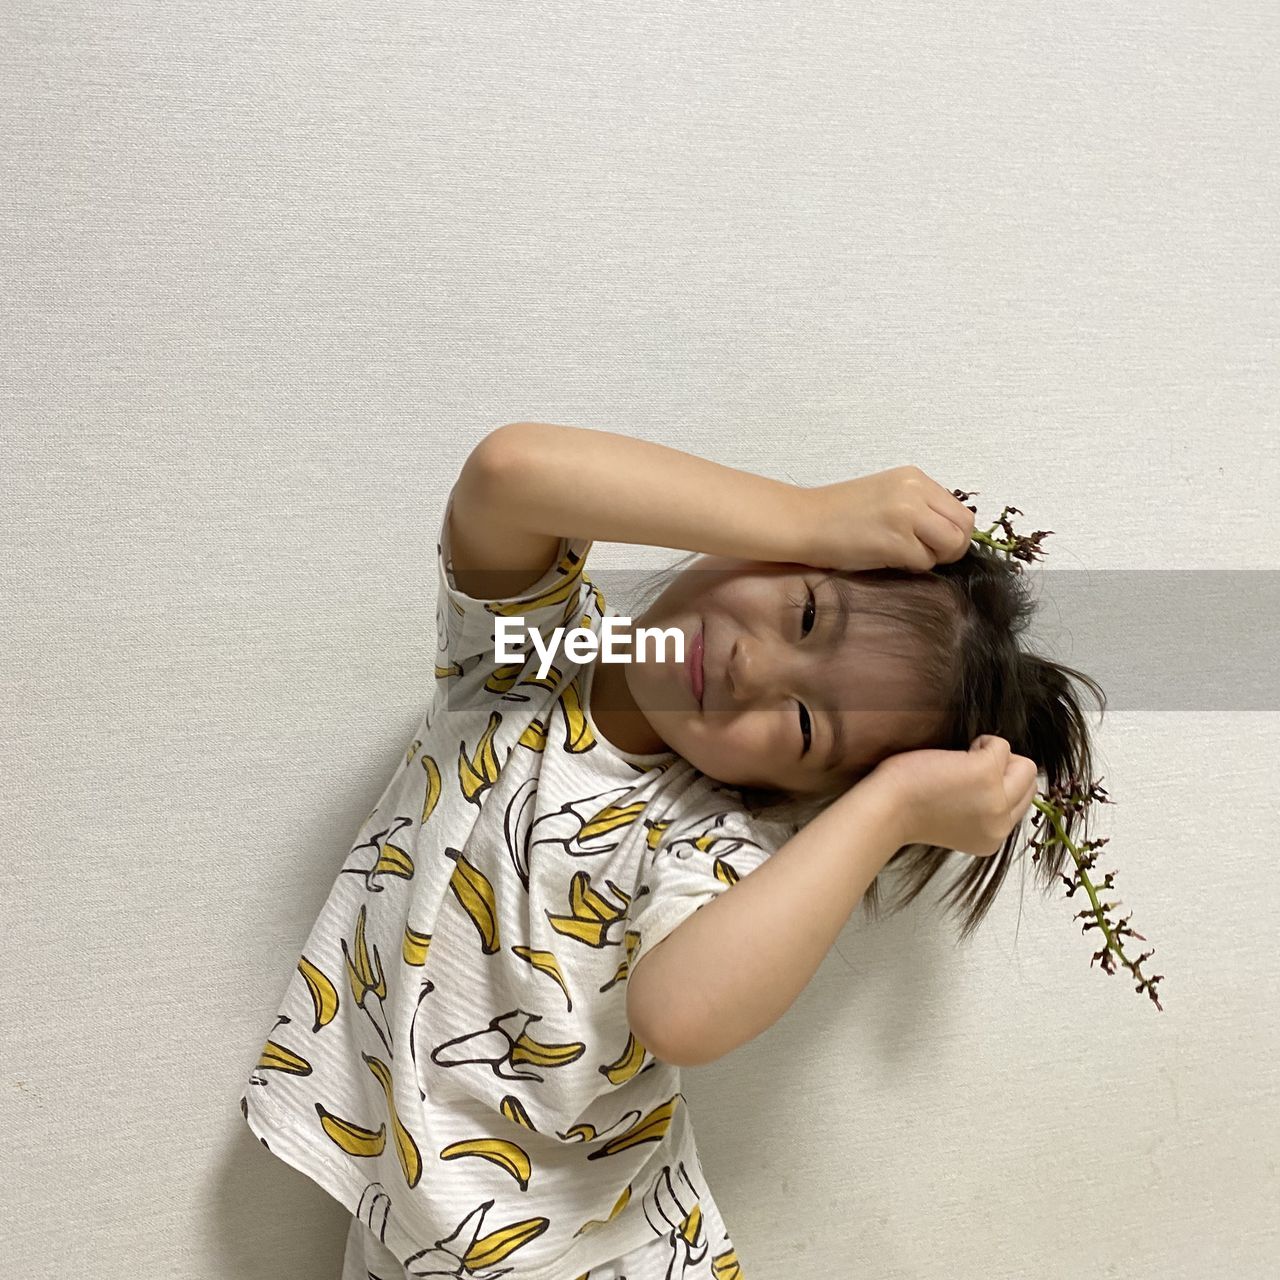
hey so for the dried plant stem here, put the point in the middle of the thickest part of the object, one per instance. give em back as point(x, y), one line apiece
point(1072, 797)
point(1082, 856)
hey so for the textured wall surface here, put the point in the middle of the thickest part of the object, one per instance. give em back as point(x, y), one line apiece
point(267, 272)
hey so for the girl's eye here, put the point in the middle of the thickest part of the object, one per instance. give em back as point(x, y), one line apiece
point(810, 613)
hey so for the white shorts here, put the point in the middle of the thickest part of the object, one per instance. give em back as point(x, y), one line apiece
point(669, 1257)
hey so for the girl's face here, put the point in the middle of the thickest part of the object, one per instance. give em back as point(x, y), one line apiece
point(794, 694)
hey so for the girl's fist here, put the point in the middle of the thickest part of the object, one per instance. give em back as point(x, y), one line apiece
point(964, 800)
point(895, 519)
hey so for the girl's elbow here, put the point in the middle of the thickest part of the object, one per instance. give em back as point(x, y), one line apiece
point(663, 1034)
point(493, 453)
point(654, 1020)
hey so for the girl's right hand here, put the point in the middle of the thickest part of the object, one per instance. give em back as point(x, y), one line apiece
point(964, 800)
point(895, 519)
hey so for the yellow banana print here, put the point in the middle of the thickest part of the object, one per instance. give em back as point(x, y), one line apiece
point(406, 1148)
point(433, 787)
point(592, 913)
point(324, 995)
point(275, 1057)
point(489, 1250)
point(570, 567)
point(478, 772)
point(393, 860)
point(367, 980)
point(534, 737)
point(354, 1140)
point(618, 1207)
point(516, 822)
point(473, 890)
point(528, 1050)
point(620, 975)
point(360, 973)
point(627, 1065)
point(656, 830)
point(611, 818)
point(506, 1155)
point(545, 962)
point(585, 901)
point(444, 673)
point(578, 733)
point(513, 1109)
point(550, 681)
point(725, 1266)
point(592, 932)
point(691, 1225)
point(650, 1128)
point(724, 872)
point(501, 679)
point(415, 946)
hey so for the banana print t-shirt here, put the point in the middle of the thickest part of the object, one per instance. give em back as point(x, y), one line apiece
point(452, 1059)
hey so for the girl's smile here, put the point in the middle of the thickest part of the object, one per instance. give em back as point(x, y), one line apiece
point(695, 667)
point(794, 704)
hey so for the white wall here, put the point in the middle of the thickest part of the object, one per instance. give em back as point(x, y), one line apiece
point(268, 272)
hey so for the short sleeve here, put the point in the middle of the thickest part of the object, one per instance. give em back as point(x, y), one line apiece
point(696, 858)
point(465, 625)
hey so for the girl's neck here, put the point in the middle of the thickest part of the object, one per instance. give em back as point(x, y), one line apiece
point(616, 713)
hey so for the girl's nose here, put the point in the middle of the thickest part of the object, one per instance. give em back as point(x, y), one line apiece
point(749, 672)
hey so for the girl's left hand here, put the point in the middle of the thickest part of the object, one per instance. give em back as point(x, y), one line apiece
point(895, 519)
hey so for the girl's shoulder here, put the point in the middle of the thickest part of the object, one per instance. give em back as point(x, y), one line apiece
point(708, 805)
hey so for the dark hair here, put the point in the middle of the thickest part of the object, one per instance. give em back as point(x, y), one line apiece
point(963, 622)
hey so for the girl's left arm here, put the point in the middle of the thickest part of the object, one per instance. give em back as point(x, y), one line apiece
point(737, 964)
point(626, 490)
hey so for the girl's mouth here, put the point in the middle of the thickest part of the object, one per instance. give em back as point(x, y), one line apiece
point(695, 667)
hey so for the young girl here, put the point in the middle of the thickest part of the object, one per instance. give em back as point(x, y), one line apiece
point(479, 1053)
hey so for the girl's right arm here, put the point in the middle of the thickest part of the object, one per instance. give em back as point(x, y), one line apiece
point(626, 490)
